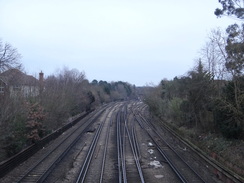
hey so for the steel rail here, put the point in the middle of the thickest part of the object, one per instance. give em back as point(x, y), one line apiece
point(122, 122)
point(136, 144)
point(172, 148)
point(134, 151)
point(119, 145)
point(82, 175)
point(11, 163)
point(170, 162)
point(105, 150)
point(122, 137)
point(176, 171)
point(121, 148)
point(44, 174)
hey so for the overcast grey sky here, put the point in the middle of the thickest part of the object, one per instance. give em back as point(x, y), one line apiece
point(137, 41)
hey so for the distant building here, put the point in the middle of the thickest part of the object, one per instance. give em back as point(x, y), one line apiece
point(13, 82)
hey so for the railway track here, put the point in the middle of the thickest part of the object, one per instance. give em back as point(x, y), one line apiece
point(97, 159)
point(117, 144)
point(121, 149)
point(127, 148)
point(200, 168)
point(135, 148)
point(181, 168)
point(44, 166)
point(128, 151)
point(84, 169)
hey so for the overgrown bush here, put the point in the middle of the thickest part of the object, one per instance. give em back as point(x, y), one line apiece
point(229, 110)
point(175, 110)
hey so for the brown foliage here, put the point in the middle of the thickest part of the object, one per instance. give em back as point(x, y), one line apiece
point(34, 125)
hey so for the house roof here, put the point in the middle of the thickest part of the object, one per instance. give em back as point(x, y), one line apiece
point(16, 77)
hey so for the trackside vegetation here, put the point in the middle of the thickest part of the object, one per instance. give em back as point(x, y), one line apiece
point(24, 120)
point(206, 105)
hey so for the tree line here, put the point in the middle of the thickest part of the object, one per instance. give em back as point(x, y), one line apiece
point(210, 97)
point(25, 120)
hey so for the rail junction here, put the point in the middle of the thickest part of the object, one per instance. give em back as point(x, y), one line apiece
point(116, 143)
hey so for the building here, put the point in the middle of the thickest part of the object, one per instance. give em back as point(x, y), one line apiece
point(13, 82)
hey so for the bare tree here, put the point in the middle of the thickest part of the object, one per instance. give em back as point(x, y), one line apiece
point(65, 94)
point(214, 55)
point(9, 57)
